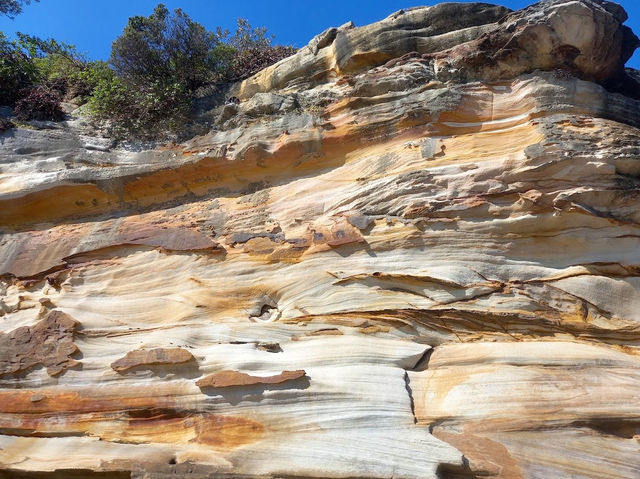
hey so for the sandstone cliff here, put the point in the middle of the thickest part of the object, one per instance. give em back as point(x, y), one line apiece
point(411, 250)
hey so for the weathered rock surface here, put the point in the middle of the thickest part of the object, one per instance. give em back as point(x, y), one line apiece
point(226, 379)
point(412, 250)
point(152, 357)
point(48, 343)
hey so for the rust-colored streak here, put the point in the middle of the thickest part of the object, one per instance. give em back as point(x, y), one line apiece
point(49, 342)
point(485, 456)
point(136, 419)
point(35, 255)
point(64, 200)
point(228, 432)
point(225, 379)
point(152, 357)
point(150, 425)
point(359, 61)
point(281, 161)
point(140, 426)
point(19, 402)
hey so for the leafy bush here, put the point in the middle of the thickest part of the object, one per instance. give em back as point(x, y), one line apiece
point(158, 62)
point(253, 51)
point(83, 82)
point(58, 64)
point(17, 71)
point(30, 61)
point(40, 103)
point(11, 8)
point(249, 62)
point(149, 84)
point(144, 113)
point(165, 48)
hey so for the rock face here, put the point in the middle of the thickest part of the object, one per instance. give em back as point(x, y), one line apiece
point(411, 250)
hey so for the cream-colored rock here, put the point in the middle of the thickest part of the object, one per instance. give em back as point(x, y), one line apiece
point(372, 267)
point(549, 407)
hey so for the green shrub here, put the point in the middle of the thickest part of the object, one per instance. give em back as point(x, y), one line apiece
point(17, 71)
point(39, 103)
point(149, 84)
point(157, 62)
point(249, 62)
point(145, 113)
point(166, 48)
point(30, 61)
point(11, 8)
point(58, 64)
point(83, 82)
point(253, 51)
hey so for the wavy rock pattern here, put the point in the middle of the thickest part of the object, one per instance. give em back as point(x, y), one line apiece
point(410, 251)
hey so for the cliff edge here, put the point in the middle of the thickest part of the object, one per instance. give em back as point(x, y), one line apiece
point(410, 250)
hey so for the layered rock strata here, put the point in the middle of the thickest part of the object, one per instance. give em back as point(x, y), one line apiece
point(410, 251)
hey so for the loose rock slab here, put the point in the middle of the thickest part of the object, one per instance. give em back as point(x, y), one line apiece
point(225, 379)
point(152, 357)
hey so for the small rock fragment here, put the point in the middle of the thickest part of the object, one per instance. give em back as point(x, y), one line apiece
point(225, 379)
point(152, 357)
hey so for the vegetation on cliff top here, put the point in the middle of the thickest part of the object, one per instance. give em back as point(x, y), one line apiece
point(157, 67)
point(11, 8)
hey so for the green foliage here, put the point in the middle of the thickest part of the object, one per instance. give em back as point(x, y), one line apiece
point(145, 112)
point(158, 62)
point(39, 103)
point(147, 88)
point(85, 80)
point(247, 37)
point(30, 61)
point(37, 47)
point(165, 48)
point(17, 71)
point(58, 65)
point(11, 8)
point(253, 51)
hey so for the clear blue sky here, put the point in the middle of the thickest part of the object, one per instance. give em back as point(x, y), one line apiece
point(92, 25)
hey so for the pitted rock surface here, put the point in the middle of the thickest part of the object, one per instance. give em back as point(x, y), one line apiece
point(48, 343)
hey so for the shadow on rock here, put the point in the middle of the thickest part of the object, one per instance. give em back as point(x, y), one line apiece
point(254, 393)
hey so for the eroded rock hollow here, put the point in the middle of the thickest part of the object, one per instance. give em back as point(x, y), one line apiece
point(410, 250)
